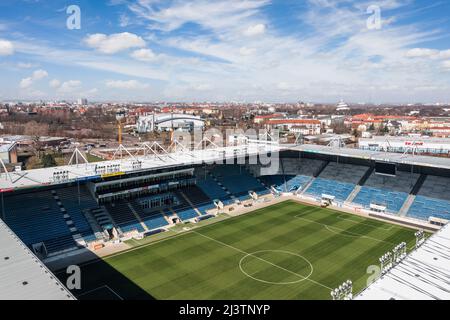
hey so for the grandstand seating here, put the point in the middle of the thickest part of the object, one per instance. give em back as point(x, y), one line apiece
point(340, 190)
point(391, 192)
point(277, 181)
point(338, 180)
point(392, 200)
point(75, 206)
point(155, 221)
point(124, 217)
point(301, 166)
point(286, 183)
point(131, 226)
point(343, 172)
point(35, 217)
point(238, 180)
point(436, 187)
point(211, 188)
point(423, 208)
point(402, 182)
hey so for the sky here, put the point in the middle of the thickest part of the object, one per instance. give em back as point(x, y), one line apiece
point(386, 51)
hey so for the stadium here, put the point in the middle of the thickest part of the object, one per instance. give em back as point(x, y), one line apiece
point(259, 220)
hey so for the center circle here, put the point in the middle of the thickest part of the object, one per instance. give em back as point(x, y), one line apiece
point(255, 255)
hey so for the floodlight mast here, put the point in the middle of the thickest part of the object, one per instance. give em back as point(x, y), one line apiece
point(343, 292)
point(420, 238)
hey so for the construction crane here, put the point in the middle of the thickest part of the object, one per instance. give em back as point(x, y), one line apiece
point(120, 115)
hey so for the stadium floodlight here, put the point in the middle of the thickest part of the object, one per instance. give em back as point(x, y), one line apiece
point(343, 292)
point(420, 238)
point(386, 262)
point(60, 176)
point(390, 259)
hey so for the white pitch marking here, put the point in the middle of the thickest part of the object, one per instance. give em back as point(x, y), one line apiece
point(303, 278)
point(351, 234)
point(259, 258)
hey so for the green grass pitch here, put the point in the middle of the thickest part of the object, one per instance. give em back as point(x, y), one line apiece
point(285, 251)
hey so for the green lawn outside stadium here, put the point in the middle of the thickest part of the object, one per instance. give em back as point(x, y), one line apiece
point(285, 251)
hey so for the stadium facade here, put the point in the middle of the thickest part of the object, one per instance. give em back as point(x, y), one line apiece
point(63, 211)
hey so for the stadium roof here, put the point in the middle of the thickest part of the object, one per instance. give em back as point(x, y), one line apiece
point(409, 159)
point(86, 172)
point(423, 275)
point(22, 275)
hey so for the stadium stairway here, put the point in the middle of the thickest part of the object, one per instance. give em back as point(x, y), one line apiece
point(302, 192)
point(190, 203)
point(407, 205)
point(75, 201)
point(36, 218)
point(354, 193)
point(137, 216)
point(76, 235)
point(238, 181)
point(123, 218)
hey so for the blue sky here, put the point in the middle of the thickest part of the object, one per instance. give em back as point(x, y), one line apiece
point(226, 50)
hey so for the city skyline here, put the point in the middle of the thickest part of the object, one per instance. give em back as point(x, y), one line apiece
point(251, 50)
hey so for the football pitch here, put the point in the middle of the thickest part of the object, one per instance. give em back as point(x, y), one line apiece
point(285, 251)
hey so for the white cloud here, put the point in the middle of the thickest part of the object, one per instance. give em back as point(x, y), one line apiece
point(129, 85)
point(6, 48)
point(215, 15)
point(55, 83)
point(70, 86)
point(26, 83)
point(255, 30)
point(25, 65)
point(114, 43)
point(428, 53)
point(37, 75)
point(247, 51)
point(421, 53)
point(146, 55)
point(446, 64)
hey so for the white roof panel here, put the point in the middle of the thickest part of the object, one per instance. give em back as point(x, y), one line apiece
point(423, 275)
point(22, 275)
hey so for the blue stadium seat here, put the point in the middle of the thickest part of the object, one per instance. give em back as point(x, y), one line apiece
point(423, 208)
point(340, 190)
point(35, 217)
point(393, 200)
point(156, 221)
point(237, 180)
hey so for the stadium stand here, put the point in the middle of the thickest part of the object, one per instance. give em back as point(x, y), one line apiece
point(295, 175)
point(75, 206)
point(432, 199)
point(237, 180)
point(156, 221)
point(210, 187)
point(423, 208)
point(340, 190)
point(390, 192)
point(123, 217)
point(301, 166)
point(36, 218)
point(338, 180)
point(436, 187)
